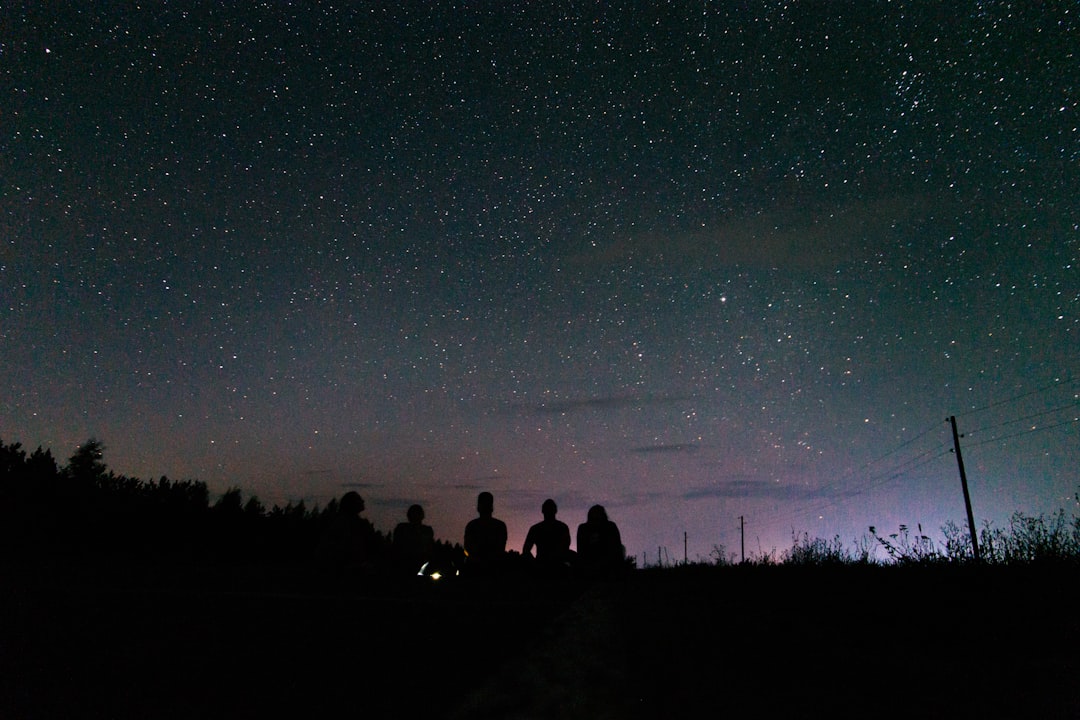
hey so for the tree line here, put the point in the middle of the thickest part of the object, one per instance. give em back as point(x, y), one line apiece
point(82, 511)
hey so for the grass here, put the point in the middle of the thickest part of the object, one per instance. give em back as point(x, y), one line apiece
point(1027, 540)
point(895, 623)
point(821, 630)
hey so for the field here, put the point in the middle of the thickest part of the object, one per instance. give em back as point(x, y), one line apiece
point(659, 643)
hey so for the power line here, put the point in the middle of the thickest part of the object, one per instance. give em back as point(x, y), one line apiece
point(900, 446)
point(1026, 432)
point(1021, 396)
point(826, 504)
point(851, 474)
point(843, 489)
point(1022, 419)
point(902, 467)
point(905, 470)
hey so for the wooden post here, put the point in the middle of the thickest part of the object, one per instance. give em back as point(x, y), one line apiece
point(742, 537)
point(963, 484)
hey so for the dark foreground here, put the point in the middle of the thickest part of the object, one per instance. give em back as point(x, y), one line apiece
point(747, 642)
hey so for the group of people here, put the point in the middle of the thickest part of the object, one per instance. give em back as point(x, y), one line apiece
point(599, 544)
point(349, 541)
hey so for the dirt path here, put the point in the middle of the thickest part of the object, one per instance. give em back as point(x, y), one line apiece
point(764, 642)
point(782, 642)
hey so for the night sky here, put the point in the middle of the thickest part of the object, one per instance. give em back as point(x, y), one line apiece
point(692, 262)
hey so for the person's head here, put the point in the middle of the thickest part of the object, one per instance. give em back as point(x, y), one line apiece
point(549, 508)
point(597, 513)
point(351, 503)
point(485, 503)
point(415, 514)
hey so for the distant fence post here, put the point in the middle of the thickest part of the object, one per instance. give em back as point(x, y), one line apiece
point(742, 537)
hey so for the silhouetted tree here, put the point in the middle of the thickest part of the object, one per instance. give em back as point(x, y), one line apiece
point(12, 461)
point(87, 463)
point(254, 508)
point(85, 515)
point(230, 503)
point(41, 466)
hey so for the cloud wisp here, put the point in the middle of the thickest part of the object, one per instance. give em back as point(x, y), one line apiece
point(608, 402)
point(665, 448)
point(763, 489)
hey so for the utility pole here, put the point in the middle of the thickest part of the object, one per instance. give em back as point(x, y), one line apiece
point(685, 560)
point(963, 484)
point(742, 537)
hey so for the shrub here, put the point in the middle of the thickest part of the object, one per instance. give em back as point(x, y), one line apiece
point(1029, 540)
point(816, 551)
point(905, 549)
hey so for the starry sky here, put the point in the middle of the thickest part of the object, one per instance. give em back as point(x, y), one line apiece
point(693, 261)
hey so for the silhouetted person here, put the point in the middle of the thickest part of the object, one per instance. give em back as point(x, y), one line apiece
point(414, 542)
point(485, 538)
point(551, 538)
point(599, 546)
point(348, 543)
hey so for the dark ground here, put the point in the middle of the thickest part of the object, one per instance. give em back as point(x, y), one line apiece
point(682, 642)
